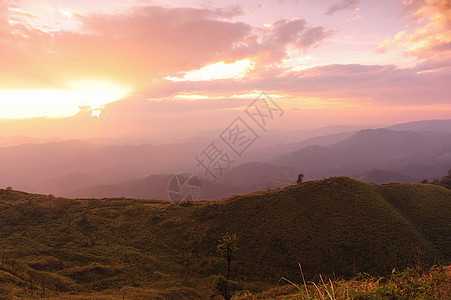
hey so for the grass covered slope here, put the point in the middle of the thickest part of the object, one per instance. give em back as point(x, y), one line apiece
point(334, 226)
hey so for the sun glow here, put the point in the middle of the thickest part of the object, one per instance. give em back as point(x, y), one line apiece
point(219, 70)
point(32, 103)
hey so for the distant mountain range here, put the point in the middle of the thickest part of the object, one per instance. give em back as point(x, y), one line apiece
point(372, 155)
point(408, 152)
point(412, 154)
point(243, 179)
point(64, 166)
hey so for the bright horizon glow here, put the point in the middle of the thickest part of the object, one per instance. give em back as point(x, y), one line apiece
point(57, 103)
point(219, 70)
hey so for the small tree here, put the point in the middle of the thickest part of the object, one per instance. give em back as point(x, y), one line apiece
point(300, 178)
point(227, 244)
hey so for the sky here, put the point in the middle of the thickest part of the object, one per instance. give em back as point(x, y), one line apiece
point(146, 67)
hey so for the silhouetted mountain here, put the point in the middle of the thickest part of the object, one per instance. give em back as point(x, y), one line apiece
point(63, 167)
point(370, 149)
point(264, 154)
point(426, 125)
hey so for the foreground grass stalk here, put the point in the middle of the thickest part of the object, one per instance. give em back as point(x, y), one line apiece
point(412, 283)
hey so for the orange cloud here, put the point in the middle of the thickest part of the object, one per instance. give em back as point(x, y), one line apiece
point(141, 46)
point(431, 39)
point(135, 47)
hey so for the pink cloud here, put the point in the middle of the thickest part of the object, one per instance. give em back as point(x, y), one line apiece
point(3, 18)
point(342, 5)
point(373, 85)
point(295, 32)
point(134, 47)
point(284, 34)
point(145, 44)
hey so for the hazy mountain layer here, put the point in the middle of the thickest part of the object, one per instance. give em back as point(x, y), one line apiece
point(413, 154)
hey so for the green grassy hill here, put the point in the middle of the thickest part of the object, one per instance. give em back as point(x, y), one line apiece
point(334, 227)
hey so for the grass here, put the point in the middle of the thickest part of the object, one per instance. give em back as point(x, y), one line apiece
point(412, 283)
point(102, 248)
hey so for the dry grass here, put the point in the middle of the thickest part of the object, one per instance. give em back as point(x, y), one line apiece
point(412, 283)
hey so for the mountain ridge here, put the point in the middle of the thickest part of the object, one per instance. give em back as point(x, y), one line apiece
point(333, 226)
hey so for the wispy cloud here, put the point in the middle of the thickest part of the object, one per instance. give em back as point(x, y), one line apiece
point(342, 5)
point(288, 33)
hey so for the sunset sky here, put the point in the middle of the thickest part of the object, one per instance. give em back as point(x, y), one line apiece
point(136, 67)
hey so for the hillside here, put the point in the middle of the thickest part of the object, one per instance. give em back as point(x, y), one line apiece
point(334, 227)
